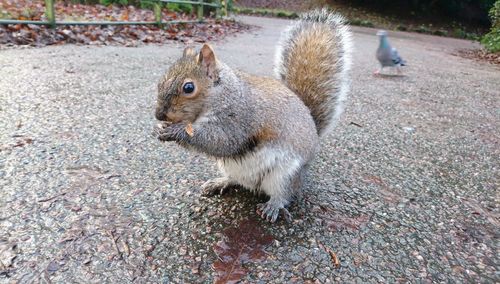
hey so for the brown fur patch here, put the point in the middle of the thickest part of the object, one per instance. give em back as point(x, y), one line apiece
point(268, 85)
point(208, 61)
point(311, 63)
point(173, 117)
point(265, 134)
point(183, 107)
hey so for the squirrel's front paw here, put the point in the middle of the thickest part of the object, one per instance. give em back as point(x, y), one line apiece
point(169, 132)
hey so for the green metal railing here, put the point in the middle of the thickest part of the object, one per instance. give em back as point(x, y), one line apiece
point(51, 17)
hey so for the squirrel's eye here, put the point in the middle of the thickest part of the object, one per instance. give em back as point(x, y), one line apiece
point(188, 87)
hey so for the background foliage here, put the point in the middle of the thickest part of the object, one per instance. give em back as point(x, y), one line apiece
point(492, 40)
point(176, 7)
point(475, 12)
point(468, 10)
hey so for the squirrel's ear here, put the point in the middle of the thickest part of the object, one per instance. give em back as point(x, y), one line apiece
point(188, 51)
point(207, 61)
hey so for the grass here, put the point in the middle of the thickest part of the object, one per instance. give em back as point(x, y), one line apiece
point(361, 23)
point(266, 12)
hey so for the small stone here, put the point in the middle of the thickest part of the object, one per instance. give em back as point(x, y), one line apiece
point(182, 251)
point(53, 267)
point(409, 129)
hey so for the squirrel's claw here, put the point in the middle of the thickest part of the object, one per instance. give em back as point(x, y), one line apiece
point(270, 211)
point(170, 132)
point(216, 186)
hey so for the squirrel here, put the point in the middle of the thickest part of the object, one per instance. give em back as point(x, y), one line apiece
point(262, 132)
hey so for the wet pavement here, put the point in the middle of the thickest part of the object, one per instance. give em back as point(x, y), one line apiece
point(404, 190)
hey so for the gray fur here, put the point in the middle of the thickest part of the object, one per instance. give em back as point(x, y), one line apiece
point(260, 132)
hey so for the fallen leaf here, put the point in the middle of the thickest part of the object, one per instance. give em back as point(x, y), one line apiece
point(335, 259)
point(39, 35)
point(333, 255)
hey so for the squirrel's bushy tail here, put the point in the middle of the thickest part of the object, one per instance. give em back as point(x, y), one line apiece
point(313, 60)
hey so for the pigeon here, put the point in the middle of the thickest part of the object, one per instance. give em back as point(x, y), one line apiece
point(387, 55)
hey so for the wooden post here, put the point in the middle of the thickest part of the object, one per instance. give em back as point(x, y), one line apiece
point(157, 10)
point(227, 3)
point(49, 13)
point(199, 10)
point(218, 9)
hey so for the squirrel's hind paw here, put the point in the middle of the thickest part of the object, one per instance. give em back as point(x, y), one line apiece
point(270, 211)
point(216, 186)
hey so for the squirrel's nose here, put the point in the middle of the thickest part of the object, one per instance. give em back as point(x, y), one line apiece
point(161, 114)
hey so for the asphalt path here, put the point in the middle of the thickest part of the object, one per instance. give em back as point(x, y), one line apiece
point(405, 189)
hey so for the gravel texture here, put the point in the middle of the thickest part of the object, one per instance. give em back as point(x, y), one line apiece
point(405, 189)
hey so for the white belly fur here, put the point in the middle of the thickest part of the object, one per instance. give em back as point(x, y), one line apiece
point(268, 169)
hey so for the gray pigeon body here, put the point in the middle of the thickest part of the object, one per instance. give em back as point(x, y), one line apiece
point(386, 54)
